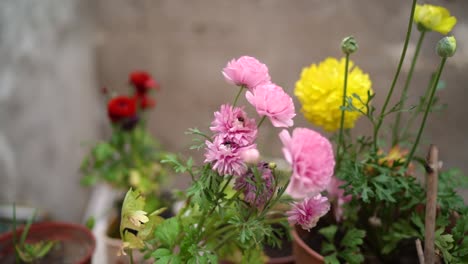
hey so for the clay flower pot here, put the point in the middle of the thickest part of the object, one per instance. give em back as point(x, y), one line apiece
point(303, 254)
point(76, 243)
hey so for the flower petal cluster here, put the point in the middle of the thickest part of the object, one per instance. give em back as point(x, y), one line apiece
point(120, 108)
point(226, 156)
point(249, 183)
point(320, 91)
point(435, 18)
point(312, 160)
point(271, 101)
point(337, 197)
point(234, 125)
point(143, 82)
point(246, 71)
point(307, 212)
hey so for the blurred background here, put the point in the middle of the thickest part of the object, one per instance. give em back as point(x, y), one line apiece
point(55, 55)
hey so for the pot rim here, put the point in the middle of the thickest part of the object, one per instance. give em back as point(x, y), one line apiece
point(304, 246)
point(8, 236)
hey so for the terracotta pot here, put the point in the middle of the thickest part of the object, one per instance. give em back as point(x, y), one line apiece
point(303, 254)
point(76, 241)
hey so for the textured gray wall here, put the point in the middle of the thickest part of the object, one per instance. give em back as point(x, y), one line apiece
point(186, 43)
point(48, 104)
point(48, 66)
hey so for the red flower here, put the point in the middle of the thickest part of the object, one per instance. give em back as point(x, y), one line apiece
point(121, 107)
point(145, 102)
point(142, 81)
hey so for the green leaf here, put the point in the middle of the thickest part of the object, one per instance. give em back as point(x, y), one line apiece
point(331, 259)
point(329, 232)
point(161, 252)
point(167, 232)
point(353, 238)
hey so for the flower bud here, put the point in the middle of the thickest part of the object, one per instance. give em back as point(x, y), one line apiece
point(250, 156)
point(446, 47)
point(135, 178)
point(272, 165)
point(349, 45)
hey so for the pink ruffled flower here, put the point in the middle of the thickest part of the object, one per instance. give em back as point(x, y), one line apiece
point(270, 100)
point(234, 125)
point(308, 212)
point(312, 160)
point(248, 183)
point(225, 156)
point(246, 71)
point(337, 197)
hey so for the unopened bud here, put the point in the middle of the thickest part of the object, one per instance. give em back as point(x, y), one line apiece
point(447, 46)
point(349, 45)
point(272, 165)
point(251, 156)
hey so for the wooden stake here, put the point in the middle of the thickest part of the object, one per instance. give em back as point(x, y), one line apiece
point(432, 170)
point(420, 251)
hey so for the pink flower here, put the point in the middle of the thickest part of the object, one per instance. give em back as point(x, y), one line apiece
point(312, 160)
point(246, 71)
point(337, 197)
point(249, 183)
point(234, 125)
point(270, 100)
point(250, 156)
point(225, 156)
point(308, 212)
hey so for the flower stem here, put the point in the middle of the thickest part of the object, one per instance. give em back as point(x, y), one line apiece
point(396, 127)
point(276, 220)
point(340, 135)
point(237, 96)
point(130, 255)
point(426, 113)
point(390, 92)
point(261, 122)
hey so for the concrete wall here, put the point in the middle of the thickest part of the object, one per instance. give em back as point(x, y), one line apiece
point(185, 44)
point(48, 104)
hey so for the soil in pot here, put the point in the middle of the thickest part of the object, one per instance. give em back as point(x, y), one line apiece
point(282, 254)
point(75, 244)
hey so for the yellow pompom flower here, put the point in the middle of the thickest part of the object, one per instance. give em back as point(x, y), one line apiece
point(320, 91)
point(435, 18)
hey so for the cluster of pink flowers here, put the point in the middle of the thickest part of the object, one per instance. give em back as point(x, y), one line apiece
point(233, 145)
point(235, 134)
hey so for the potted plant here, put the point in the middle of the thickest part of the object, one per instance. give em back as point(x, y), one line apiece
point(381, 212)
point(237, 200)
point(131, 156)
point(46, 242)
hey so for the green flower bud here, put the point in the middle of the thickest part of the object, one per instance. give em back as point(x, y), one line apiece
point(447, 46)
point(349, 45)
point(272, 165)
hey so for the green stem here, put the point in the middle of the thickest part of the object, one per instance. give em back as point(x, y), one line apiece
point(204, 217)
point(237, 96)
point(276, 220)
point(426, 113)
point(340, 135)
point(389, 95)
point(396, 127)
point(223, 242)
point(130, 255)
point(14, 233)
point(261, 122)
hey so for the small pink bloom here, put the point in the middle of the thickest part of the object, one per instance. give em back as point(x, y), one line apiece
point(225, 156)
point(234, 125)
point(308, 212)
point(250, 156)
point(337, 197)
point(311, 157)
point(270, 100)
point(246, 71)
point(249, 183)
